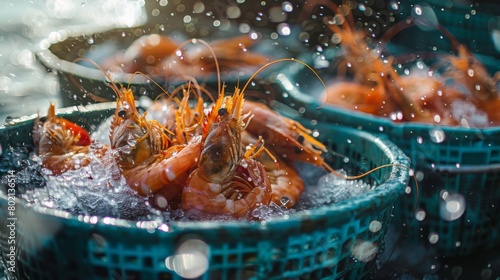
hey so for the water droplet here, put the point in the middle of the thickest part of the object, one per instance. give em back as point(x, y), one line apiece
point(90, 40)
point(287, 6)
point(452, 206)
point(364, 251)
point(394, 5)
point(375, 226)
point(233, 12)
point(284, 29)
point(437, 135)
point(433, 238)
point(418, 10)
point(190, 260)
point(420, 215)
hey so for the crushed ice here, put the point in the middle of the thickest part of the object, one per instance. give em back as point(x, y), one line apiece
point(98, 189)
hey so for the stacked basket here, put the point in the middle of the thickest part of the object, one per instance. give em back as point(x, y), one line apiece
point(457, 168)
point(336, 241)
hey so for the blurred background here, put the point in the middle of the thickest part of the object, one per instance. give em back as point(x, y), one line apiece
point(26, 87)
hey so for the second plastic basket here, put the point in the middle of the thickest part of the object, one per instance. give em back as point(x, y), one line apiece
point(458, 169)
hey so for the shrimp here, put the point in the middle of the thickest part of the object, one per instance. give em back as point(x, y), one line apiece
point(160, 55)
point(227, 180)
point(471, 81)
point(286, 184)
point(373, 88)
point(62, 145)
point(473, 75)
point(145, 154)
point(282, 134)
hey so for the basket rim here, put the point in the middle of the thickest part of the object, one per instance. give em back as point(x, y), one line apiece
point(54, 62)
point(382, 195)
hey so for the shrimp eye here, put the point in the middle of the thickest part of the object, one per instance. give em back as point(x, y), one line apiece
point(122, 114)
point(222, 112)
point(300, 139)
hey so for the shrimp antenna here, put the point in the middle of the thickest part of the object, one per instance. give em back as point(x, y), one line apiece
point(283, 60)
point(115, 88)
point(194, 41)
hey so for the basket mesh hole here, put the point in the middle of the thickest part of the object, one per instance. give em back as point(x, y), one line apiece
point(147, 262)
point(101, 271)
point(131, 260)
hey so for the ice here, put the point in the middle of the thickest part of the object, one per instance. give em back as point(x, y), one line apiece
point(331, 188)
point(468, 115)
point(101, 134)
point(96, 189)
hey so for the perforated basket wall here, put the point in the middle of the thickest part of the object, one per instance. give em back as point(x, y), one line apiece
point(446, 160)
point(315, 244)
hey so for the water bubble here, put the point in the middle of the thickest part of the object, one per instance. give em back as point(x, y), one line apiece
point(394, 5)
point(375, 226)
point(284, 29)
point(233, 12)
point(276, 14)
point(418, 10)
point(190, 260)
point(198, 7)
point(287, 6)
point(420, 215)
point(437, 135)
point(433, 238)
point(452, 206)
point(364, 251)
point(486, 273)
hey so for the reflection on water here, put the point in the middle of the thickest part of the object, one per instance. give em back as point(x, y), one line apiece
point(25, 86)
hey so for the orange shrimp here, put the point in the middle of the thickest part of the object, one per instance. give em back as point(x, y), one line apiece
point(286, 184)
point(148, 160)
point(227, 181)
point(468, 74)
point(373, 88)
point(289, 137)
point(160, 55)
point(473, 75)
point(63, 145)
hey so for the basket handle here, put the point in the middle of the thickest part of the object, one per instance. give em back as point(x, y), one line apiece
point(479, 168)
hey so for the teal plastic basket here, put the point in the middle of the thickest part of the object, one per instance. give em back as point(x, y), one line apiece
point(457, 161)
point(81, 83)
point(318, 243)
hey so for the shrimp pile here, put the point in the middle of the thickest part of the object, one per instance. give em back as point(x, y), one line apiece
point(376, 87)
point(225, 159)
point(161, 56)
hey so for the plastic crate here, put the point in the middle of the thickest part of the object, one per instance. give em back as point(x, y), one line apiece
point(447, 160)
point(315, 244)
